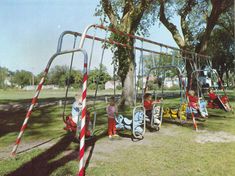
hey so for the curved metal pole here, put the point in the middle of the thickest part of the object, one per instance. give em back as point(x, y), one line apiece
point(114, 78)
point(67, 87)
point(60, 40)
point(35, 98)
point(97, 85)
point(84, 34)
point(138, 82)
point(133, 121)
point(91, 53)
point(215, 73)
point(142, 71)
point(163, 67)
point(135, 83)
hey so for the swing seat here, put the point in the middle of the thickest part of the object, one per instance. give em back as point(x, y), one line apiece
point(166, 113)
point(174, 113)
point(70, 124)
point(134, 125)
point(156, 112)
point(202, 108)
point(138, 131)
point(194, 111)
point(156, 116)
point(119, 124)
point(218, 103)
point(123, 122)
point(182, 112)
point(137, 123)
point(127, 121)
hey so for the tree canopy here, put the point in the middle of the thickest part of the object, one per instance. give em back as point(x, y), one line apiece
point(22, 78)
point(130, 17)
point(198, 19)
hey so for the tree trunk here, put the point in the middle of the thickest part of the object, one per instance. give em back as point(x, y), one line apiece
point(128, 23)
point(128, 88)
point(227, 76)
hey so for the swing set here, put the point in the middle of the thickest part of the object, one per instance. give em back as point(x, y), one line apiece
point(138, 123)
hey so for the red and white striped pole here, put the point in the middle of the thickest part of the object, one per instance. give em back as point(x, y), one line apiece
point(34, 101)
point(83, 120)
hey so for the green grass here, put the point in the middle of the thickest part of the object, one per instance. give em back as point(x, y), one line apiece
point(177, 155)
point(43, 123)
point(171, 151)
point(14, 95)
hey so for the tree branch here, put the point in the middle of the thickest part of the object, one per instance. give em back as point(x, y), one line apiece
point(184, 24)
point(106, 4)
point(218, 7)
point(135, 13)
point(128, 5)
point(170, 26)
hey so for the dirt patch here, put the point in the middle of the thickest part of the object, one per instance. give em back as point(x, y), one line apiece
point(210, 136)
point(170, 130)
point(103, 148)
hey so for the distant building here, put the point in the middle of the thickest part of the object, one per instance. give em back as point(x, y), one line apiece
point(29, 87)
point(110, 84)
point(151, 78)
point(7, 82)
point(170, 82)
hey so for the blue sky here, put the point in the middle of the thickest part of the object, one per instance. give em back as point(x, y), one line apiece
point(30, 30)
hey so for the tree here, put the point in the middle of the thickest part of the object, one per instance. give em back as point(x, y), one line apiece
point(222, 51)
point(221, 46)
point(22, 78)
point(198, 18)
point(77, 76)
point(162, 60)
point(99, 76)
point(3, 75)
point(127, 16)
point(57, 75)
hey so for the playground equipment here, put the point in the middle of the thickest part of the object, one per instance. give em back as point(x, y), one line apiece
point(138, 121)
point(35, 98)
point(136, 125)
point(72, 126)
point(215, 100)
point(167, 112)
point(112, 42)
point(201, 109)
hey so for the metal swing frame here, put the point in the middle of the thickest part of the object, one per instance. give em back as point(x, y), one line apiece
point(84, 35)
point(35, 98)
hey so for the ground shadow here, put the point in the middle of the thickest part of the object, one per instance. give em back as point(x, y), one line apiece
point(40, 164)
point(11, 121)
point(46, 162)
point(188, 123)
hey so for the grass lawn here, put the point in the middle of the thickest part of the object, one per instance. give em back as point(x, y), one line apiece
point(14, 95)
point(174, 150)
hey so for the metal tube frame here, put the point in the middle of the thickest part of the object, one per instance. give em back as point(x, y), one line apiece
point(34, 100)
point(84, 36)
point(180, 83)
